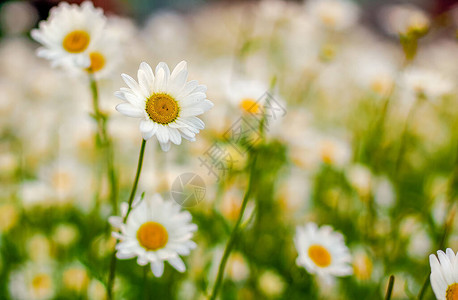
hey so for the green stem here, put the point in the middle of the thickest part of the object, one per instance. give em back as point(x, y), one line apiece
point(402, 147)
point(104, 141)
point(235, 232)
point(112, 272)
point(389, 290)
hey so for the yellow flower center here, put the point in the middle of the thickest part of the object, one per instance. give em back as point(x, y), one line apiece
point(152, 236)
point(97, 62)
point(328, 152)
point(249, 105)
point(76, 41)
point(452, 292)
point(162, 108)
point(319, 255)
point(41, 282)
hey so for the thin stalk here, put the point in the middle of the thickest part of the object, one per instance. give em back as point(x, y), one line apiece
point(235, 233)
point(112, 272)
point(402, 147)
point(389, 290)
point(104, 141)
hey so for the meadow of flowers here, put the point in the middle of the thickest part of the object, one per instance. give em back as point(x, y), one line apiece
point(258, 150)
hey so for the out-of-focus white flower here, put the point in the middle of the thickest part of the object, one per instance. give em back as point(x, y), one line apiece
point(426, 83)
point(333, 14)
point(444, 274)
point(237, 267)
point(155, 231)
point(383, 192)
point(75, 278)
point(104, 56)
point(333, 151)
point(69, 32)
point(166, 103)
point(322, 251)
point(419, 243)
point(362, 265)
point(373, 70)
point(360, 178)
point(17, 16)
point(32, 282)
point(247, 95)
point(9, 215)
point(404, 19)
point(65, 234)
point(271, 284)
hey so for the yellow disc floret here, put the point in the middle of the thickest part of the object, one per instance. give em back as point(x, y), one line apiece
point(97, 61)
point(319, 255)
point(249, 105)
point(76, 41)
point(162, 108)
point(152, 236)
point(452, 292)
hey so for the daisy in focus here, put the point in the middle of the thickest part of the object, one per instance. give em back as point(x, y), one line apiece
point(166, 103)
point(69, 32)
point(444, 274)
point(322, 251)
point(155, 231)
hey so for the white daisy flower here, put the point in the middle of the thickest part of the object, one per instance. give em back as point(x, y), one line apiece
point(69, 31)
point(104, 55)
point(155, 231)
point(333, 14)
point(426, 83)
point(32, 282)
point(322, 251)
point(444, 274)
point(166, 103)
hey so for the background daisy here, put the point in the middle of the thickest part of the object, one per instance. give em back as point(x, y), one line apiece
point(69, 31)
point(322, 251)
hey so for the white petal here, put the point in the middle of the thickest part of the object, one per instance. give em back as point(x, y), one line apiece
point(177, 263)
point(133, 85)
point(157, 268)
point(175, 136)
point(148, 71)
point(147, 128)
point(165, 146)
point(129, 110)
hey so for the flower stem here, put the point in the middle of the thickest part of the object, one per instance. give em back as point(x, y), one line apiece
point(104, 142)
point(112, 272)
point(402, 147)
point(389, 290)
point(235, 232)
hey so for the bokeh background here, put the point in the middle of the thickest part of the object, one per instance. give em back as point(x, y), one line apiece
point(368, 145)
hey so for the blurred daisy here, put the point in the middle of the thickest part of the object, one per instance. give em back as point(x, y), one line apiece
point(444, 274)
point(247, 95)
point(333, 14)
point(322, 251)
point(104, 56)
point(69, 31)
point(155, 231)
point(32, 282)
point(404, 19)
point(426, 83)
point(166, 103)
